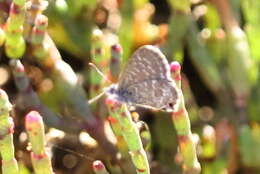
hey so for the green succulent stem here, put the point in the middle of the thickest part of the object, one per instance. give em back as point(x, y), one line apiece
point(181, 122)
point(115, 61)
point(15, 43)
point(183, 6)
point(126, 28)
point(97, 57)
point(9, 163)
point(38, 31)
point(202, 61)
point(131, 135)
point(34, 10)
point(35, 129)
point(125, 161)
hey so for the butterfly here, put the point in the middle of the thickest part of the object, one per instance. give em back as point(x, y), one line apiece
point(146, 81)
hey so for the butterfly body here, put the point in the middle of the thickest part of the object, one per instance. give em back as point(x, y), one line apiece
point(146, 81)
point(121, 95)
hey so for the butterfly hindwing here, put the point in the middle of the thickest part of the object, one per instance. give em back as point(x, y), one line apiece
point(156, 94)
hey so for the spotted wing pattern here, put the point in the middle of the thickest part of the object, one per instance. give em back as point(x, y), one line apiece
point(147, 63)
point(156, 94)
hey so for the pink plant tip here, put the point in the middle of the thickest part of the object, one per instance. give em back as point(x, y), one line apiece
point(33, 117)
point(117, 48)
point(175, 66)
point(17, 65)
point(41, 20)
point(98, 165)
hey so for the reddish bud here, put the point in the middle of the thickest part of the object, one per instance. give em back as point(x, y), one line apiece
point(98, 165)
point(41, 20)
point(32, 117)
point(33, 120)
point(116, 48)
point(17, 65)
point(175, 66)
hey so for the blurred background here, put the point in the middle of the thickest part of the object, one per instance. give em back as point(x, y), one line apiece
point(215, 41)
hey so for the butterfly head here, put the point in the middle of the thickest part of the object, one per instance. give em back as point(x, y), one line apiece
point(111, 90)
point(169, 107)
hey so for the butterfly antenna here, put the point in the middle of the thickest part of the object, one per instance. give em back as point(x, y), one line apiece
point(96, 98)
point(99, 72)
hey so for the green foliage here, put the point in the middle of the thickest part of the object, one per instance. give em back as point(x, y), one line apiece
point(216, 42)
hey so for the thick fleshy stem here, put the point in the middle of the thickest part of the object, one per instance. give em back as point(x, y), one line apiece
point(240, 68)
point(35, 128)
point(182, 124)
point(178, 24)
point(38, 31)
point(116, 127)
point(35, 8)
point(115, 62)
point(201, 59)
point(131, 135)
point(126, 29)
point(38, 35)
point(15, 44)
point(99, 167)
point(35, 28)
point(9, 163)
point(97, 55)
point(125, 161)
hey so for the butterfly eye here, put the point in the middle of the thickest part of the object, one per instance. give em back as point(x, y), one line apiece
point(170, 105)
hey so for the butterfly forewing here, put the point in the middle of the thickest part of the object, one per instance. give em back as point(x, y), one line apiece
point(147, 63)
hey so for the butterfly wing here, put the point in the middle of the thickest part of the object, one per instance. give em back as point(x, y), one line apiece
point(155, 94)
point(147, 63)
